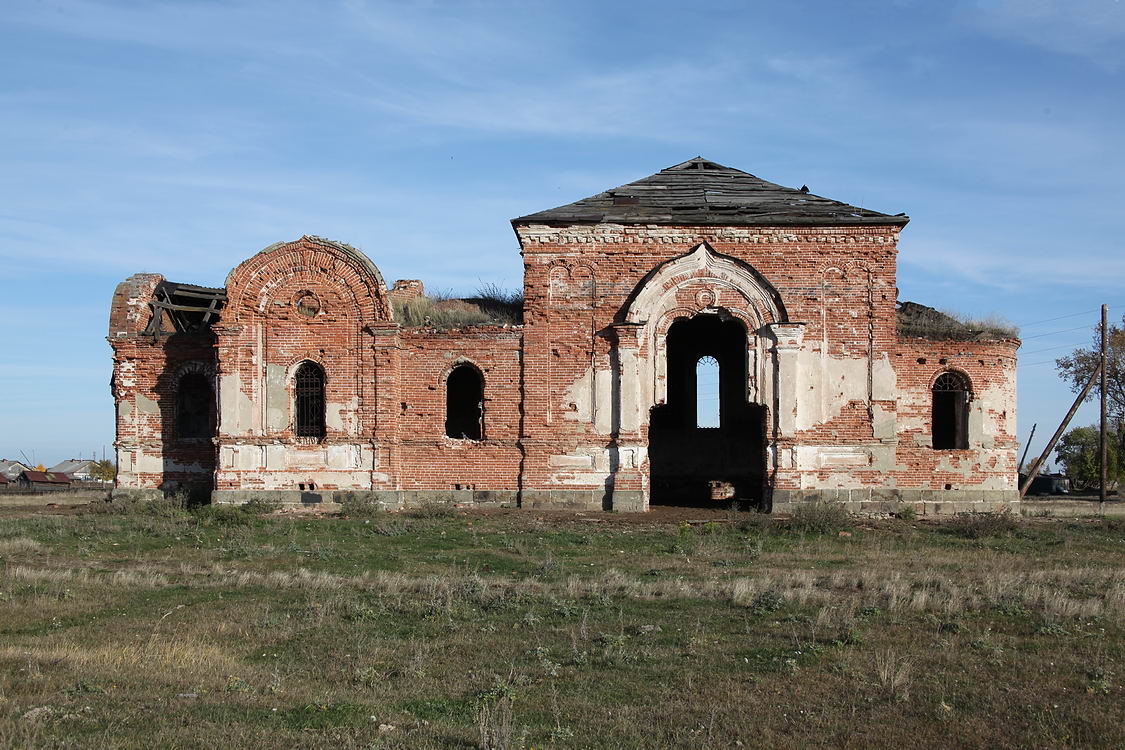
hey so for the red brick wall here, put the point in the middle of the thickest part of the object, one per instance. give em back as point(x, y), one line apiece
point(147, 369)
point(551, 420)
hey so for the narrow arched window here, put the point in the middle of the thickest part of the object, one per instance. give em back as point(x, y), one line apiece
point(951, 411)
point(193, 406)
point(464, 403)
point(309, 401)
point(707, 410)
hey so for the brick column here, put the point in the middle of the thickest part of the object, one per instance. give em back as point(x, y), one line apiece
point(786, 341)
point(381, 417)
point(629, 447)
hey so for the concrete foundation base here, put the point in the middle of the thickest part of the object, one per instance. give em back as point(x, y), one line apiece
point(888, 501)
point(871, 501)
point(386, 499)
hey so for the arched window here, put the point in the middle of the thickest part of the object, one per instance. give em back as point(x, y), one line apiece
point(707, 411)
point(309, 401)
point(464, 403)
point(951, 411)
point(193, 406)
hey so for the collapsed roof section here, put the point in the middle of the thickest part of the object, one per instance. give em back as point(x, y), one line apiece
point(186, 307)
point(702, 193)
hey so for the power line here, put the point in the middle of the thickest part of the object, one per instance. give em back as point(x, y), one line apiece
point(1061, 317)
point(1054, 333)
point(1069, 315)
point(1048, 349)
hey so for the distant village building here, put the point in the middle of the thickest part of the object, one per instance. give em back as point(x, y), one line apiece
point(306, 376)
point(79, 469)
point(44, 480)
point(11, 470)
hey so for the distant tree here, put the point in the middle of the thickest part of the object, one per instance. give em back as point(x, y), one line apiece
point(1080, 364)
point(104, 470)
point(40, 467)
point(1078, 452)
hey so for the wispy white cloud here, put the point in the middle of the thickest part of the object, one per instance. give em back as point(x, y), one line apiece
point(1009, 267)
point(1090, 29)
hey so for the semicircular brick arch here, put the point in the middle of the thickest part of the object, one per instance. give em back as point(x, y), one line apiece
point(264, 278)
point(659, 289)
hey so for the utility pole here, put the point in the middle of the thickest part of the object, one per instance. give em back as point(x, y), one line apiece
point(1038, 463)
point(1027, 447)
point(1102, 438)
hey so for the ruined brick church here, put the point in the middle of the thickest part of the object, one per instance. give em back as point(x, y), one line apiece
point(302, 378)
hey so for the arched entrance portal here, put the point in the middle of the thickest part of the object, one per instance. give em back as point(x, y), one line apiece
point(707, 442)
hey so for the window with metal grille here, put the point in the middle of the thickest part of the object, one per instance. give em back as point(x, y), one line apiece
point(309, 401)
point(951, 395)
point(194, 406)
point(464, 403)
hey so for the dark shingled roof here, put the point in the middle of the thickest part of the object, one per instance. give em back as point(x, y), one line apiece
point(701, 192)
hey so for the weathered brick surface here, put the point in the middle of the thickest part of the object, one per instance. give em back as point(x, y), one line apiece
point(568, 395)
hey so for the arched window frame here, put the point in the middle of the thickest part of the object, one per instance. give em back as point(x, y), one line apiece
point(949, 414)
point(453, 426)
point(310, 383)
point(708, 360)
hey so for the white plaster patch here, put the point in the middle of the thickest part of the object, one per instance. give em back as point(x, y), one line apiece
point(571, 462)
point(305, 458)
point(843, 455)
point(250, 457)
point(236, 409)
point(341, 417)
point(275, 457)
point(343, 457)
point(578, 401)
point(579, 479)
point(277, 398)
point(825, 385)
point(146, 405)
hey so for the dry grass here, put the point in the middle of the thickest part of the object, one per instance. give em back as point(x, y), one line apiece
point(18, 545)
point(505, 630)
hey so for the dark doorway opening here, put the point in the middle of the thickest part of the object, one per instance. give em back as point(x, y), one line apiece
point(707, 443)
point(464, 403)
point(195, 407)
point(951, 412)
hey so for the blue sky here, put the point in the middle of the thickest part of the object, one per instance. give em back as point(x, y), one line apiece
point(181, 137)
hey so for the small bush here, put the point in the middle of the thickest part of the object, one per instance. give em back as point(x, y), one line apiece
point(758, 524)
point(433, 510)
point(907, 513)
point(494, 717)
point(820, 518)
point(356, 505)
point(397, 527)
point(260, 506)
point(222, 516)
point(767, 602)
point(981, 525)
point(170, 505)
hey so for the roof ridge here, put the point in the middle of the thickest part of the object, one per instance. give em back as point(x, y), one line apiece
point(703, 192)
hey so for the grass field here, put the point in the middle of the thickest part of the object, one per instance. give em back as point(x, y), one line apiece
point(156, 627)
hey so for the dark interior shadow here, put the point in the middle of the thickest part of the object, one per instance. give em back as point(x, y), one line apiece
point(712, 467)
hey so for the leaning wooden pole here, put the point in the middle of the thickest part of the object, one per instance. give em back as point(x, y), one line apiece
point(1102, 444)
point(1027, 447)
point(1037, 463)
